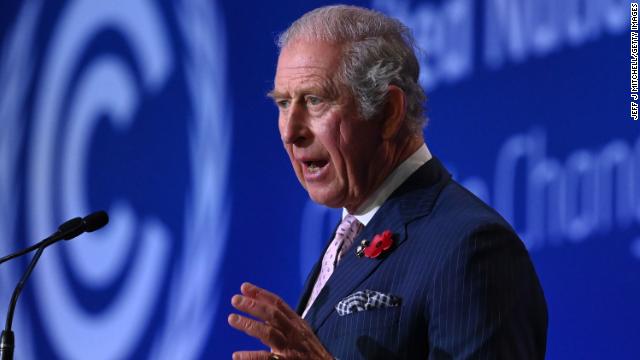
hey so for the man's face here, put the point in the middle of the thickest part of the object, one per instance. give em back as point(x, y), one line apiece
point(331, 147)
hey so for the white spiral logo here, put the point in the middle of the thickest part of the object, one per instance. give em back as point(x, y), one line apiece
point(107, 90)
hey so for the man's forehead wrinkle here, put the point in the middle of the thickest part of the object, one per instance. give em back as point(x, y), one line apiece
point(297, 56)
point(302, 71)
point(300, 83)
point(305, 67)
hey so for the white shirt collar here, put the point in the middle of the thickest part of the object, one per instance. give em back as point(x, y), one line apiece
point(368, 209)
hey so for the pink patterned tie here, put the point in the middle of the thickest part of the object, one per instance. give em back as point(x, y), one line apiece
point(346, 233)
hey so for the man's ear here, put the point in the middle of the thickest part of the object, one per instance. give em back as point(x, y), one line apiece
point(394, 112)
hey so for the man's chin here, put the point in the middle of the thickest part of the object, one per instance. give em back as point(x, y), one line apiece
point(324, 199)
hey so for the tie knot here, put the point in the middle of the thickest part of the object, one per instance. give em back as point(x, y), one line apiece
point(347, 231)
point(350, 226)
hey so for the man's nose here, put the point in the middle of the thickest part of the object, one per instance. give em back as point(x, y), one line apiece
point(295, 129)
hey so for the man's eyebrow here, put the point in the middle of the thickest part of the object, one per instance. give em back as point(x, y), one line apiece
point(275, 94)
point(328, 90)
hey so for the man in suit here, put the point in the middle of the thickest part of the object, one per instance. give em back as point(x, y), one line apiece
point(440, 274)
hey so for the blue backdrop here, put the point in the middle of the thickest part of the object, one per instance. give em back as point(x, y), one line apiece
point(156, 112)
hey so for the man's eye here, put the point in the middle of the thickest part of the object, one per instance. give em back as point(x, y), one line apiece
point(313, 100)
point(283, 104)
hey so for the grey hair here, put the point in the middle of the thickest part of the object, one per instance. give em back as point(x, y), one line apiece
point(378, 51)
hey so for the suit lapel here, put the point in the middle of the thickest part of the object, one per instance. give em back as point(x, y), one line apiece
point(413, 199)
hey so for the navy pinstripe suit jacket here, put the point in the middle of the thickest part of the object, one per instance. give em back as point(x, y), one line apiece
point(467, 286)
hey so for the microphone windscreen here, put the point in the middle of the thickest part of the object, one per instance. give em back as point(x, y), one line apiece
point(95, 221)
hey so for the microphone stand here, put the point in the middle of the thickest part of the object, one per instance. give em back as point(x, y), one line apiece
point(67, 231)
point(7, 340)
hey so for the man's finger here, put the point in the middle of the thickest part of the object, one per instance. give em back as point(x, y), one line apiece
point(267, 334)
point(258, 293)
point(251, 355)
point(262, 310)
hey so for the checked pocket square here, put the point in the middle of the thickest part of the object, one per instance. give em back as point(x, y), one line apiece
point(365, 300)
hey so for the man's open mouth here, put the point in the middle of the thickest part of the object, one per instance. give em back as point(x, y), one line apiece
point(315, 165)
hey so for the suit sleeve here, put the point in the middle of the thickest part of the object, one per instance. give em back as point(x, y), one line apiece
point(486, 301)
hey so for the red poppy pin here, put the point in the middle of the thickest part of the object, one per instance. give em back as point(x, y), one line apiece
point(379, 245)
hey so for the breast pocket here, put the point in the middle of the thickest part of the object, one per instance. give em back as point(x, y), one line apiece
point(367, 321)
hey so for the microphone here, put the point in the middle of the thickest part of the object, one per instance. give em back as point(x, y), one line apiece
point(67, 231)
point(95, 221)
